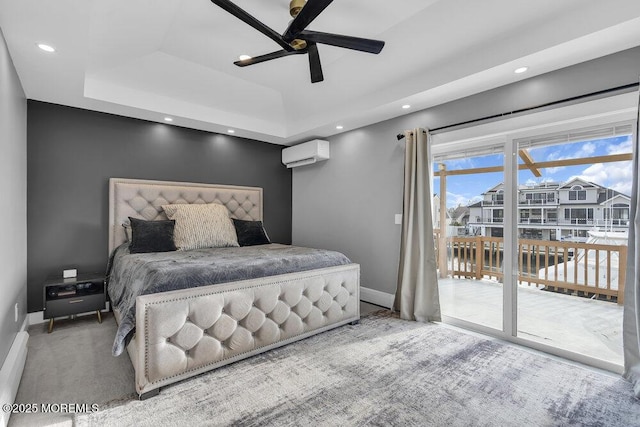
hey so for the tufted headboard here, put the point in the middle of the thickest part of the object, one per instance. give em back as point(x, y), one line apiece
point(143, 199)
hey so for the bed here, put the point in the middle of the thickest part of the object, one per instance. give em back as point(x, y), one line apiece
point(178, 334)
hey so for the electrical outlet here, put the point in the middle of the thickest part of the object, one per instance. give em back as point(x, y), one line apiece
point(398, 219)
point(17, 312)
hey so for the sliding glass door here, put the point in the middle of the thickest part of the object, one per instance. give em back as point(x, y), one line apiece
point(572, 241)
point(469, 210)
point(531, 235)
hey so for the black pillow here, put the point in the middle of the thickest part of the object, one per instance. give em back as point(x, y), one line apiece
point(250, 233)
point(151, 236)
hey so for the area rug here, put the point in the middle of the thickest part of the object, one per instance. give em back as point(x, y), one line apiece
point(386, 372)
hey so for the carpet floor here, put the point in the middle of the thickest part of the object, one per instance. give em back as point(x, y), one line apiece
point(73, 364)
point(386, 371)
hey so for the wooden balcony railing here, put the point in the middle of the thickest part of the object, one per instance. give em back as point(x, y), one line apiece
point(582, 268)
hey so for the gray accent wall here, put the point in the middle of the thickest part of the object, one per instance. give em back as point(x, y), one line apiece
point(72, 153)
point(348, 202)
point(13, 201)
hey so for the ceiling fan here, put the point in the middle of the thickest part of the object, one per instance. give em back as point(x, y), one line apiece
point(296, 39)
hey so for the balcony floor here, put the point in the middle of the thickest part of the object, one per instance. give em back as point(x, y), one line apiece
point(580, 325)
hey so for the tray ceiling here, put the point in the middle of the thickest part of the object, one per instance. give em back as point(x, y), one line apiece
point(150, 59)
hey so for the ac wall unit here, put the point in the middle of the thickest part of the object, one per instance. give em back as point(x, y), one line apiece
point(305, 153)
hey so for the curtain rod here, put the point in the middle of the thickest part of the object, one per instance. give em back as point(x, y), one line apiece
point(523, 110)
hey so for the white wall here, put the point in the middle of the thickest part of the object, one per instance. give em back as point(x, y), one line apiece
point(13, 201)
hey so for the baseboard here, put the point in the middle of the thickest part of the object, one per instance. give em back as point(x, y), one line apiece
point(25, 324)
point(36, 318)
point(11, 372)
point(373, 296)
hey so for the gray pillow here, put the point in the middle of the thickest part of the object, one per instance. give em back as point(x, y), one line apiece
point(151, 236)
point(250, 233)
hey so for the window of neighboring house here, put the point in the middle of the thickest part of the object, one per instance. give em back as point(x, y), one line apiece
point(577, 193)
point(578, 215)
point(618, 211)
point(530, 233)
point(537, 198)
point(536, 216)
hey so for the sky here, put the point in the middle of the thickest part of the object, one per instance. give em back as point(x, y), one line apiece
point(466, 189)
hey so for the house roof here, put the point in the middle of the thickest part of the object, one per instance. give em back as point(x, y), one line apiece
point(541, 186)
point(610, 195)
point(579, 181)
point(497, 187)
point(459, 212)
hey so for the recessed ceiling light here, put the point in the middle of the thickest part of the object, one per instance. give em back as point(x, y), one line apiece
point(244, 57)
point(339, 127)
point(406, 106)
point(46, 47)
point(520, 70)
point(231, 131)
point(168, 119)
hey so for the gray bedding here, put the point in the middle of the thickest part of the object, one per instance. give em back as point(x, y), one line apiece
point(131, 275)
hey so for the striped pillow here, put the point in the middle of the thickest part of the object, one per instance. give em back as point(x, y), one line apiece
point(201, 226)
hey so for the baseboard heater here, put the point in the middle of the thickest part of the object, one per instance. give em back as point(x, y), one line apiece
point(11, 372)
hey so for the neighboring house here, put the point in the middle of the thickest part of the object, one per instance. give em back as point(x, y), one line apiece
point(436, 212)
point(459, 215)
point(459, 218)
point(553, 211)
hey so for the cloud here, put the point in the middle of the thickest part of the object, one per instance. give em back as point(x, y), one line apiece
point(625, 147)
point(553, 155)
point(454, 200)
point(617, 176)
point(564, 152)
point(454, 164)
point(551, 171)
point(570, 151)
point(587, 149)
point(532, 181)
point(608, 146)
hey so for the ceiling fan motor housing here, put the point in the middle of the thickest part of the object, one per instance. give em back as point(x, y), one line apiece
point(295, 6)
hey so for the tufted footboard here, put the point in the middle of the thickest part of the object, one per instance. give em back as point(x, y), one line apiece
point(183, 333)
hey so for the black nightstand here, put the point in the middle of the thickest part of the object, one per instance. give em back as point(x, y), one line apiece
point(68, 297)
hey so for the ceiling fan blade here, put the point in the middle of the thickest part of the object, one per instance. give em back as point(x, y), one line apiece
point(347, 42)
point(314, 63)
point(268, 57)
point(309, 12)
point(248, 19)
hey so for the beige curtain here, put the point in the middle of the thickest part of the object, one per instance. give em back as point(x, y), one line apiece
point(631, 322)
point(417, 291)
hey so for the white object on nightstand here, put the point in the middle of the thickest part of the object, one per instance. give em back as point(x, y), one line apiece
point(69, 273)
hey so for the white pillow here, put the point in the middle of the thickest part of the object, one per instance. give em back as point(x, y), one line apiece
point(201, 226)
